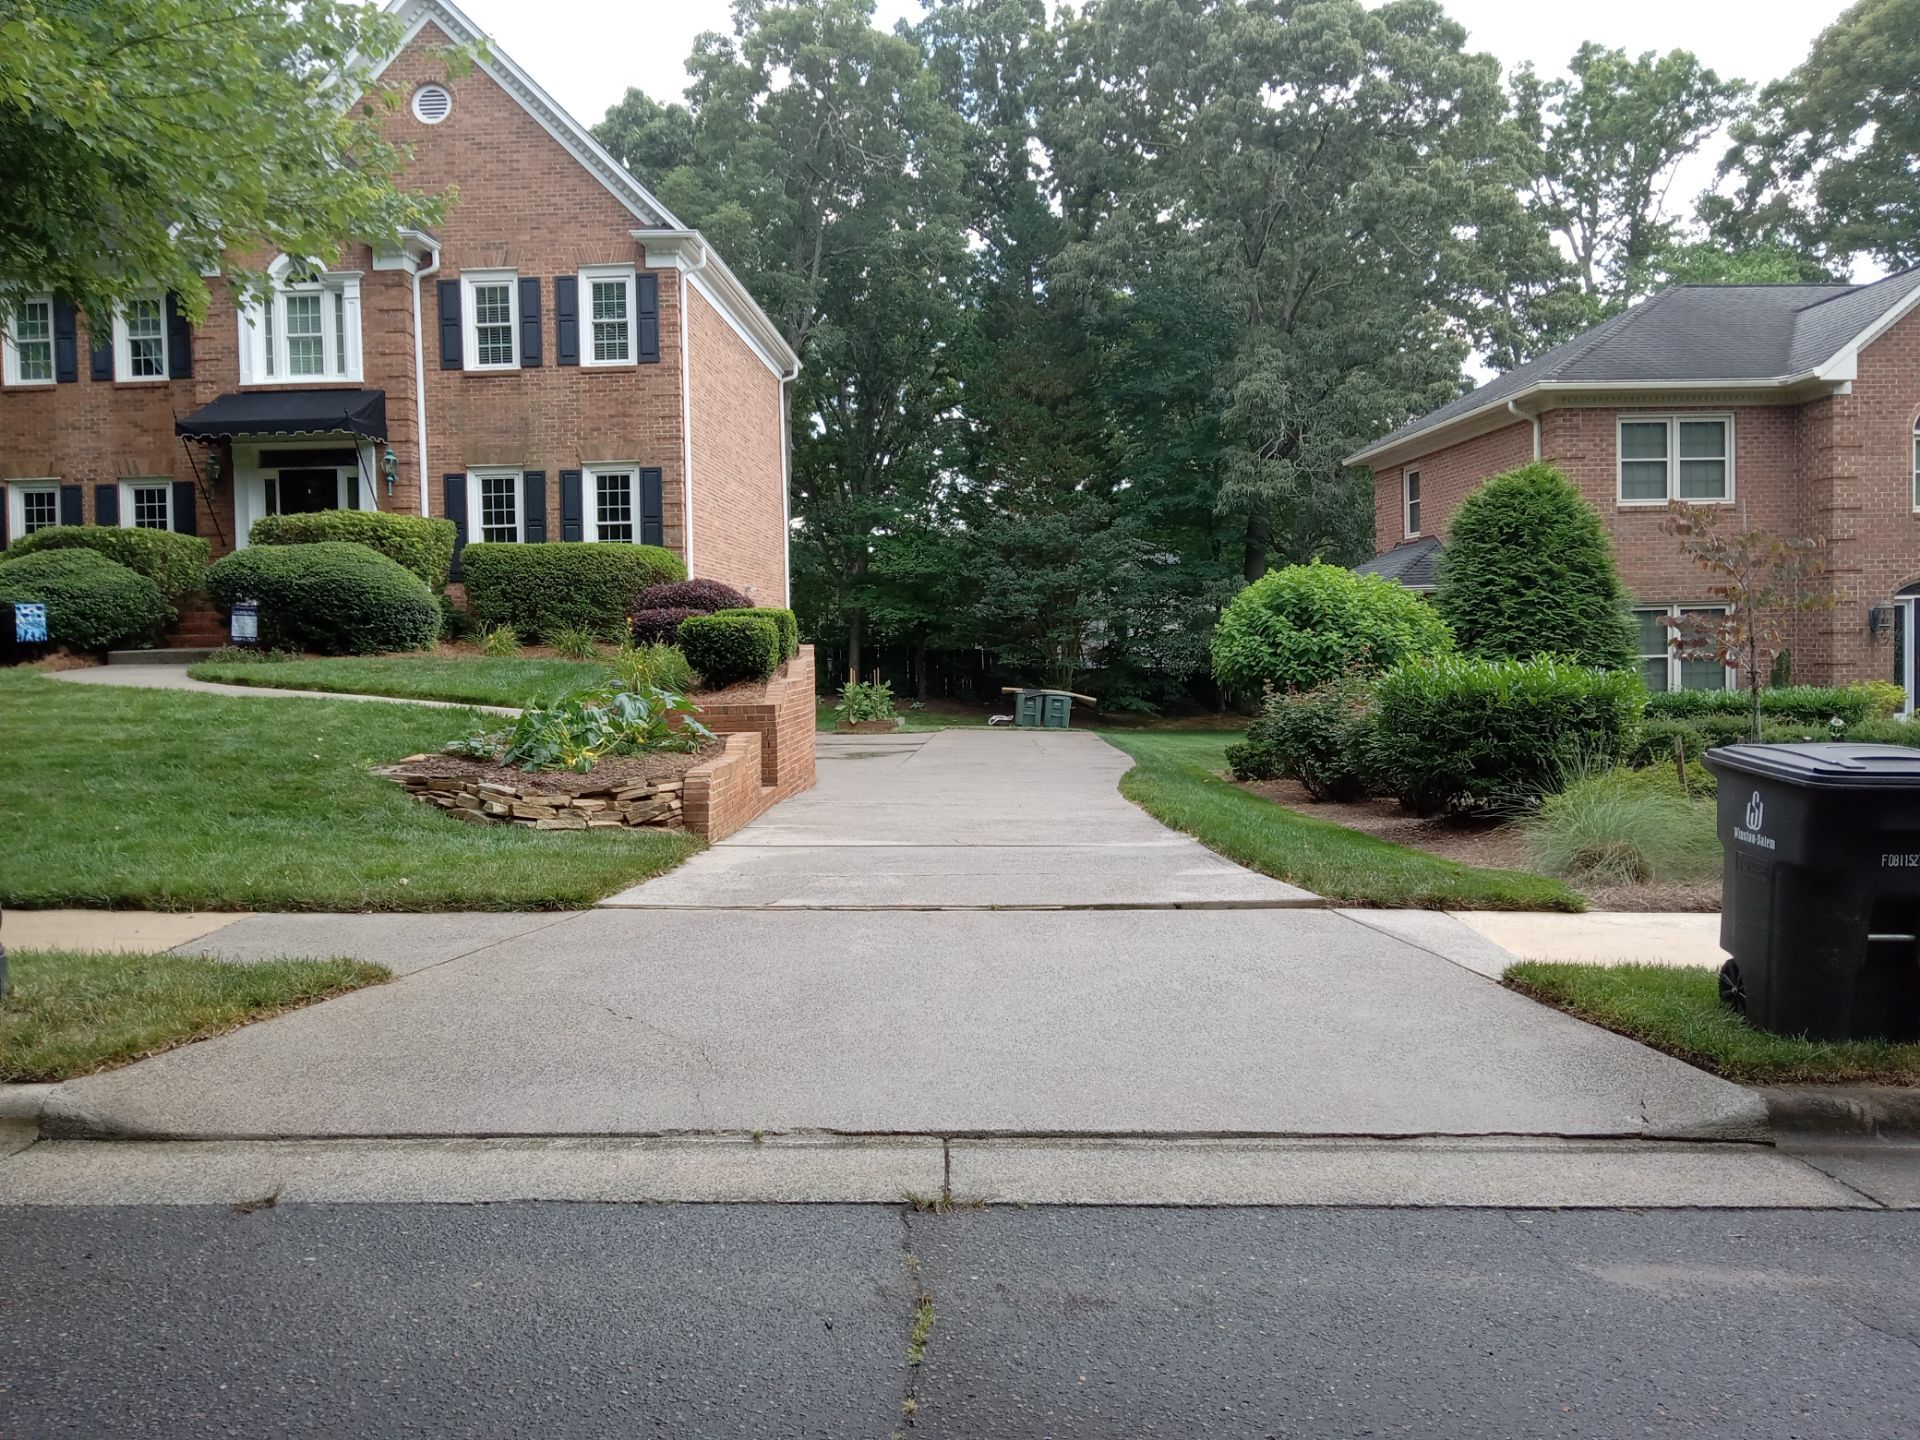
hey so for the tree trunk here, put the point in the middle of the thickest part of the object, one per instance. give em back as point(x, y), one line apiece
point(920, 669)
point(856, 631)
point(1259, 544)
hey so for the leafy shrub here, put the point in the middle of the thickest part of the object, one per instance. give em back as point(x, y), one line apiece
point(1700, 733)
point(1884, 698)
point(176, 563)
point(417, 542)
point(658, 627)
point(500, 642)
point(577, 730)
point(653, 667)
point(862, 702)
point(703, 597)
point(1528, 570)
point(727, 649)
point(542, 588)
point(1889, 731)
point(1623, 827)
point(93, 603)
point(335, 597)
point(1460, 734)
point(572, 644)
point(1323, 738)
point(784, 621)
point(1305, 625)
point(1799, 704)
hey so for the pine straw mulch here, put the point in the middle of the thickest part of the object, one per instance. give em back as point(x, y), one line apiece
point(1485, 844)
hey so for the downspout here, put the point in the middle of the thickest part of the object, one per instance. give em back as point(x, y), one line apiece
point(786, 484)
point(1518, 413)
point(686, 411)
point(420, 377)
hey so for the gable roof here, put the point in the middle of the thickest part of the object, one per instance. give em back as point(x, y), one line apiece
point(1410, 563)
point(1720, 336)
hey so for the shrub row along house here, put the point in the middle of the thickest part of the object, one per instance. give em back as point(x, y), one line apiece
point(562, 360)
point(1797, 406)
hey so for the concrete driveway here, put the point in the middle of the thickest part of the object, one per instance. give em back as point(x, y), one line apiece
point(961, 819)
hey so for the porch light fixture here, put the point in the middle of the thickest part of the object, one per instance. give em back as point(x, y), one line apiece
point(390, 467)
point(1879, 617)
point(213, 469)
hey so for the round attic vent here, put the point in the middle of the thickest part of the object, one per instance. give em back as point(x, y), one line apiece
point(431, 104)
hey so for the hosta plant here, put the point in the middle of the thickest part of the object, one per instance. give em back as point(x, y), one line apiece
point(581, 728)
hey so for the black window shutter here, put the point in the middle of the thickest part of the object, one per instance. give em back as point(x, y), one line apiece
point(533, 517)
point(100, 355)
point(566, 321)
point(66, 344)
point(179, 343)
point(71, 511)
point(646, 290)
point(456, 493)
point(186, 509)
point(653, 528)
point(530, 320)
point(450, 328)
point(106, 504)
point(570, 510)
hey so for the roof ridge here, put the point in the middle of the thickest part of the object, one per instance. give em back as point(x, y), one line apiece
point(1853, 289)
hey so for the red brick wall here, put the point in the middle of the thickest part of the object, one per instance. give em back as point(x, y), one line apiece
point(781, 713)
point(739, 519)
point(1446, 478)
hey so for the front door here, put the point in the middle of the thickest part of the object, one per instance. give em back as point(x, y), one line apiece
point(304, 491)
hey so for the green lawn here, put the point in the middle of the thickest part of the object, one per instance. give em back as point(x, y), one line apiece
point(476, 681)
point(823, 718)
point(166, 800)
point(70, 1012)
point(1175, 780)
point(1679, 1011)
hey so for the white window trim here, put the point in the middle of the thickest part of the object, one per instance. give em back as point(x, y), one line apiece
point(123, 349)
point(476, 508)
point(11, 373)
point(469, 321)
point(589, 274)
point(1674, 661)
point(590, 497)
point(1672, 422)
point(1916, 467)
point(1408, 479)
point(255, 368)
point(17, 491)
point(162, 483)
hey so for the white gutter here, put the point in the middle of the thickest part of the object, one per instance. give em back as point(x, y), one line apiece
point(420, 378)
point(786, 484)
point(1521, 414)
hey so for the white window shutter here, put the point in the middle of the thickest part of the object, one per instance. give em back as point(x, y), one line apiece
point(352, 293)
point(250, 366)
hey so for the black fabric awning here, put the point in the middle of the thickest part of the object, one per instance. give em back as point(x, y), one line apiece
point(289, 412)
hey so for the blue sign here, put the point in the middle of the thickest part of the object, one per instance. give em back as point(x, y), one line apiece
point(29, 623)
point(243, 625)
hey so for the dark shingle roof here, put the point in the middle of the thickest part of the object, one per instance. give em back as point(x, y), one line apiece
point(1694, 333)
point(1410, 563)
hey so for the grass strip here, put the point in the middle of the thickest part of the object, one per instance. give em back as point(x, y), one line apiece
point(1678, 1010)
point(1174, 780)
point(70, 1012)
point(476, 681)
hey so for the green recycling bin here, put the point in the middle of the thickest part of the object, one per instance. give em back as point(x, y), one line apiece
point(1044, 709)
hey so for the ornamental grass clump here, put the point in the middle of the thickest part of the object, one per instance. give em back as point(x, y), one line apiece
point(1623, 826)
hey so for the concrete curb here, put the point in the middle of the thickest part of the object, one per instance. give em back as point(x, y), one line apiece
point(1842, 1109)
point(23, 1102)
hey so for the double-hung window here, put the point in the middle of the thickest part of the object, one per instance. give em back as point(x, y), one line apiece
point(1676, 457)
point(613, 503)
point(1660, 663)
point(493, 319)
point(497, 499)
point(146, 504)
point(1410, 502)
point(306, 328)
point(29, 342)
point(140, 340)
point(32, 505)
point(607, 293)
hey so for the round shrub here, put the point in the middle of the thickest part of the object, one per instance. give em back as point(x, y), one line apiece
point(333, 597)
point(784, 621)
point(660, 627)
point(701, 596)
point(93, 603)
point(1461, 734)
point(540, 588)
point(727, 649)
point(422, 544)
point(1528, 570)
point(1308, 624)
point(176, 563)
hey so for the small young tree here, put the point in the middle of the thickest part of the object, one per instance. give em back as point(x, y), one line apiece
point(1528, 570)
point(1762, 580)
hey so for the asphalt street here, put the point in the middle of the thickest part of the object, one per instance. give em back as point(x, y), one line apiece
point(700, 1321)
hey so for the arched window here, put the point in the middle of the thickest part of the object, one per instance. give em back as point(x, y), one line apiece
point(306, 328)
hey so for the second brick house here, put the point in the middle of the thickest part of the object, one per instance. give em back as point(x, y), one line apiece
point(1795, 406)
point(561, 359)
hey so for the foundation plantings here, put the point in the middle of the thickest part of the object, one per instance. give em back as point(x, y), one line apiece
point(865, 706)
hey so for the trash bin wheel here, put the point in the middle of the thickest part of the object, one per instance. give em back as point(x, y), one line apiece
point(1733, 989)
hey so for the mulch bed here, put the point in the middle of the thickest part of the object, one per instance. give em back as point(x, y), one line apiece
point(613, 772)
point(1485, 844)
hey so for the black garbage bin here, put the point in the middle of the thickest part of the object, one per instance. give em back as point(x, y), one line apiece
point(1821, 902)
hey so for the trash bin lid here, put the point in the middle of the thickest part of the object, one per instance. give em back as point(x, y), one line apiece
point(1829, 763)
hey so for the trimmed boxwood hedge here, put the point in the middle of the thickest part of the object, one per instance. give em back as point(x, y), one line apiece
point(729, 648)
point(93, 603)
point(540, 588)
point(334, 597)
point(785, 622)
point(422, 544)
point(176, 563)
point(1802, 704)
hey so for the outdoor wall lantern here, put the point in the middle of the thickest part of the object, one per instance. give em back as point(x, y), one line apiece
point(1879, 617)
point(213, 469)
point(390, 467)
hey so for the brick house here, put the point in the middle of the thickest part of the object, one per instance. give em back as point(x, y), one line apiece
point(1796, 405)
point(560, 360)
